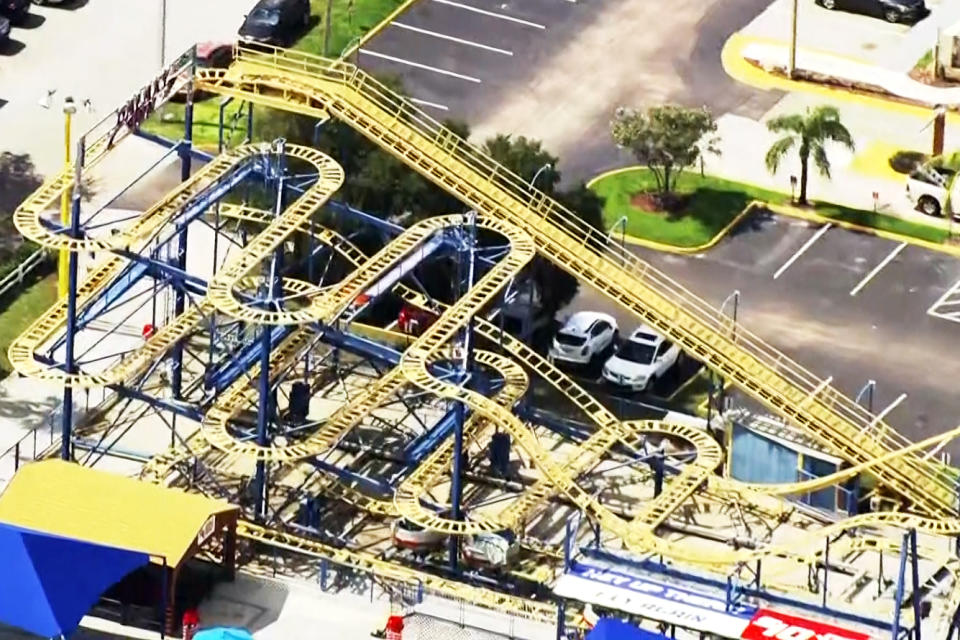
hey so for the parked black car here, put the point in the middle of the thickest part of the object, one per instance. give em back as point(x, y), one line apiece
point(908, 11)
point(4, 29)
point(16, 10)
point(276, 22)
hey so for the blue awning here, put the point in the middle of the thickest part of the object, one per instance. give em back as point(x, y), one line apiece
point(48, 583)
point(613, 629)
point(223, 633)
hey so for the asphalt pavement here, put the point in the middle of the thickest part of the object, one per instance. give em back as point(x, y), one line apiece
point(842, 304)
point(556, 71)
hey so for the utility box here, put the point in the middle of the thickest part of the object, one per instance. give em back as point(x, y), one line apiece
point(765, 450)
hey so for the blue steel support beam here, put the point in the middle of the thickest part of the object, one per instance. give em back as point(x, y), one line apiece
point(67, 409)
point(180, 262)
point(901, 578)
point(272, 286)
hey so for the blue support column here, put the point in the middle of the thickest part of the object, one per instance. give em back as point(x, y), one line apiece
point(71, 367)
point(915, 580)
point(901, 577)
point(270, 290)
point(465, 277)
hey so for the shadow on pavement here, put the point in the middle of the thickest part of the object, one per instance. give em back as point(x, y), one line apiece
point(31, 21)
point(11, 47)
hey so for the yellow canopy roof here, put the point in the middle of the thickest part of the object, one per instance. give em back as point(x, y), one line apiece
point(73, 501)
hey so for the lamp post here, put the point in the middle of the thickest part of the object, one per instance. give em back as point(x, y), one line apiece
point(545, 167)
point(69, 108)
point(352, 47)
point(163, 33)
point(792, 62)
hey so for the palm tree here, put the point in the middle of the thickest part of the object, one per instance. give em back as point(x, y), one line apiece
point(809, 132)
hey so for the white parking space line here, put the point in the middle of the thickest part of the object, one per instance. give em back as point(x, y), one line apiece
point(492, 14)
point(442, 36)
point(802, 250)
point(877, 269)
point(947, 307)
point(419, 65)
point(427, 103)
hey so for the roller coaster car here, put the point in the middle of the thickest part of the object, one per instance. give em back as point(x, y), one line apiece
point(491, 549)
point(413, 320)
point(410, 535)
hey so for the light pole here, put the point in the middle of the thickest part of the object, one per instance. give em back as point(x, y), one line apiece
point(792, 62)
point(349, 49)
point(622, 223)
point(69, 108)
point(868, 389)
point(735, 297)
point(545, 167)
point(163, 33)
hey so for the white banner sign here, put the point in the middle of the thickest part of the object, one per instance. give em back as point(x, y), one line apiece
point(652, 600)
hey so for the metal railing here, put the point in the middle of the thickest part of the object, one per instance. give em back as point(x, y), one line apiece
point(45, 435)
point(25, 268)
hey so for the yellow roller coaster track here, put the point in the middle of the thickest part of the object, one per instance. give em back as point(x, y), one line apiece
point(240, 394)
point(396, 125)
point(655, 510)
point(610, 430)
point(22, 350)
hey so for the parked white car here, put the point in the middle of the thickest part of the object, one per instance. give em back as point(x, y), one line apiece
point(641, 360)
point(584, 335)
point(927, 189)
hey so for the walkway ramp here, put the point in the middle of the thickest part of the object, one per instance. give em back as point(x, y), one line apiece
point(303, 83)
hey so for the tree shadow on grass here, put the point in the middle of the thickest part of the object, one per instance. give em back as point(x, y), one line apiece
point(18, 179)
point(715, 208)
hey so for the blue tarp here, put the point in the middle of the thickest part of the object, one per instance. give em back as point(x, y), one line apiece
point(613, 629)
point(223, 633)
point(48, 583)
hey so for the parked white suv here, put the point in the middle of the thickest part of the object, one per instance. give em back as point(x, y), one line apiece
point(927, 189)
point(584, 335)
point(641, 360)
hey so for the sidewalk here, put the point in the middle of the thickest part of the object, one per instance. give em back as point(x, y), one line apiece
point(855, 177)
point(773, 57)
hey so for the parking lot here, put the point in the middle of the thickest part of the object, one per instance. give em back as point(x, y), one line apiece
point(842, 304)
point(99, 51)
point(556, 70)
point(865, 38)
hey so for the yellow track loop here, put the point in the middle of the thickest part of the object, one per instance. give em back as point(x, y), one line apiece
point(232, 276)
point(542, 611)
point(761, 371)
point(27, 218)
point(407, 496)
point(425, 475)
point(238, 395)
point(22, 349)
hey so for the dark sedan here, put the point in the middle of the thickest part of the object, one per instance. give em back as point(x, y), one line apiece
point(276, 22)
point(16, 10)
point(908, 11)
point(4, 29)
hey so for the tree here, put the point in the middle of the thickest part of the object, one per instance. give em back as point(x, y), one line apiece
point(526, 158)
point(809, 132)
point(666, 139)
point(18, 179)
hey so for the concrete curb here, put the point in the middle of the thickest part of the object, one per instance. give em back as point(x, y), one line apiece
point(739, 69)
point(784, 210)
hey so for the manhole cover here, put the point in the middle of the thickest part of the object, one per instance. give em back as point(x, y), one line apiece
point(868, 46)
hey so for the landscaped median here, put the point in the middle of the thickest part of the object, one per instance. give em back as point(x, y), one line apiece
point(710, 207)
point(350, 22)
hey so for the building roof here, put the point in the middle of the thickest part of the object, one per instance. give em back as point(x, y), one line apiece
point(81, 503)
